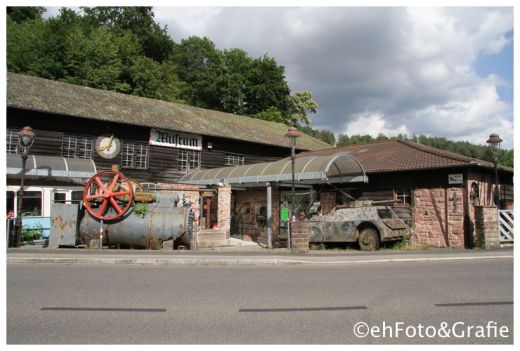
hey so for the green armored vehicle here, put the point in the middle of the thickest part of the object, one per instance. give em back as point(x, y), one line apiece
point(367, 222)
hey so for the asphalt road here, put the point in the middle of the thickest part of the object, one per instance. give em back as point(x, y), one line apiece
point(130, 304)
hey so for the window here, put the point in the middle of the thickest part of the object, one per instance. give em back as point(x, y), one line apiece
point(77, 146)
point(77, 196)
point(404, 195)
point(134, 155)
point(10, 201)
point(60, 197)
point(32, 203)
point(234, 159)
point(188, 160)
point(12, 141)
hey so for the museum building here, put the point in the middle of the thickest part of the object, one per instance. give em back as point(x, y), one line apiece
point(80, 131)
point(235, 169)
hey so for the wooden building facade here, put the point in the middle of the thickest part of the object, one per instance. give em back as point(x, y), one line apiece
point(157, 141)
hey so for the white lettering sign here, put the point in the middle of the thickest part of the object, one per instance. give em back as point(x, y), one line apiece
point(170, 138)
point(455, 179)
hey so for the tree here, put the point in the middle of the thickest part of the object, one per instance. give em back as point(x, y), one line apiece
point(301, 105)
point(235, 83)
point(200, 65)
point(321, 134)
point(21, 14)
point(24, 42)
point(271, 114)
point(93, 60)
point(155, 80)
point(343, 140)
point(154, 40)
point(267, 87)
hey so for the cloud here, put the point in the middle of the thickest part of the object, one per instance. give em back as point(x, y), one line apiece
point(373, 124)
point(388, 70)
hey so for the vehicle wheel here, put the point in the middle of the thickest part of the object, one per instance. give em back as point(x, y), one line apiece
point(369, 239)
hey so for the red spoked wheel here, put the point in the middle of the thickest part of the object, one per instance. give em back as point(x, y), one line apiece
point(108, 190)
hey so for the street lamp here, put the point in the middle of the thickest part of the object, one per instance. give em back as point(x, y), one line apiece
point(25, 141)
point(292, 134)
point(494, 144)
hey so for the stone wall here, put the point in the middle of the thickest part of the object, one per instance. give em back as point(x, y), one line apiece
point(224, 208)
point(438, 217)
point(300, 234)
point(486, 227)
point(249, 203)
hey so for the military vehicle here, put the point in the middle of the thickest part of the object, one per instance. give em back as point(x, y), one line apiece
point(367, 222)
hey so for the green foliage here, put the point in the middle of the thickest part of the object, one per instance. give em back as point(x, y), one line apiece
point(140, 208)
point(200, 65)
point(139, 21)
point(403, 244)
point(155, 80)
point(321, 134)
point(20, 14)
point(124, 49)
point(93, 59)
point(302, 104)
point(344, 139)
point(32, 233)
point(267, 87)
point(271, 114)
point(24, 42)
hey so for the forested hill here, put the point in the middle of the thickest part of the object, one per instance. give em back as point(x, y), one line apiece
point(505, 157)
point(125, 50)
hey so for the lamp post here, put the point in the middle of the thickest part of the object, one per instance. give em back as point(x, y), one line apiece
point(292, 134)
point(494, 143)
point(25, 141)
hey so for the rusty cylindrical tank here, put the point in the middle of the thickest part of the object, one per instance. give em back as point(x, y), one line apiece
point(160, 222)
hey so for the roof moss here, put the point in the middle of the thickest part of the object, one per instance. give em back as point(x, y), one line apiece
point(50, 96)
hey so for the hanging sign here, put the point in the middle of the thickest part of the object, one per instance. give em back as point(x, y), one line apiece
point(455, 179)
point(162, 137)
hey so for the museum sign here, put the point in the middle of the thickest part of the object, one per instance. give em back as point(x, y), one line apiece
point(162, 137)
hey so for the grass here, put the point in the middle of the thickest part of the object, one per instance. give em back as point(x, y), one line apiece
point(403, 244)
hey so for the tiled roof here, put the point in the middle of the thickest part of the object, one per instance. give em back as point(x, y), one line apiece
point(398, 155)
point(45, 95)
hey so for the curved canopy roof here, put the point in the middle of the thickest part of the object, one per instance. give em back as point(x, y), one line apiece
point(41, 167)
point(308, 170)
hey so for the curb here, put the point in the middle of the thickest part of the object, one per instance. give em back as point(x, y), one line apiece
point(231, 261)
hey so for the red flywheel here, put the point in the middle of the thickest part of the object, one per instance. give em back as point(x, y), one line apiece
point(108, 195)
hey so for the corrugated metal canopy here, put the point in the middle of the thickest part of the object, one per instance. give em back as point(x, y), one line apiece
point(41, 167)
point(308, 170)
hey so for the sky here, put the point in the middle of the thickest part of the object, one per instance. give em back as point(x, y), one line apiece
point(436, 71)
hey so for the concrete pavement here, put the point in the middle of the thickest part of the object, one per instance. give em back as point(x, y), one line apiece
point(263, 257)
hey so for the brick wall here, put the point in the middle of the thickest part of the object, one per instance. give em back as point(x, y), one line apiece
point(438, 217)
point(486, 227)
point(300, 234)
point(224, 208)
point(248, 204)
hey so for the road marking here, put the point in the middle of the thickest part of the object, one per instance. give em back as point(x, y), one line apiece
point(303, 309)
point(487, 303)
point(103, 309)
point(239, 261)
point(387, 260)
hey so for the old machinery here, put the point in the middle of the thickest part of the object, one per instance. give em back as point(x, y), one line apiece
point(131, 220)
point(109, 190)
